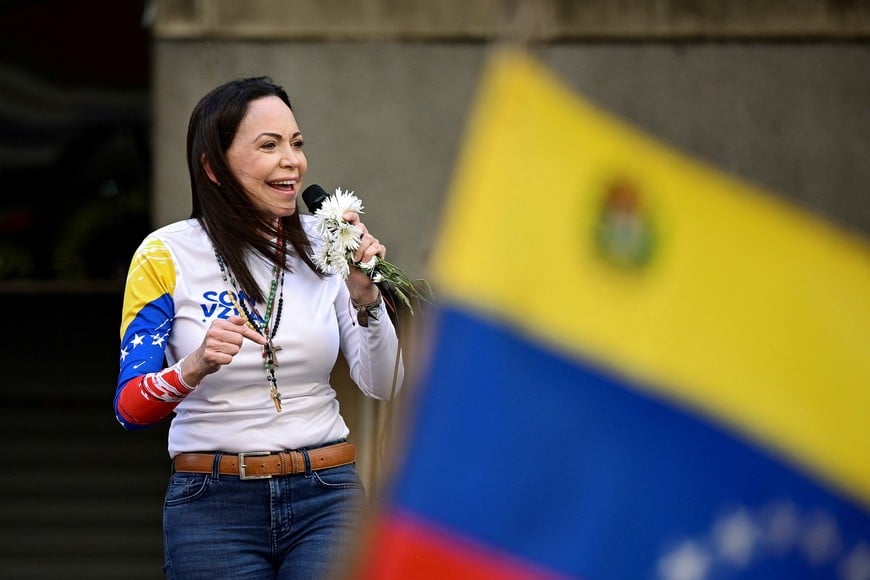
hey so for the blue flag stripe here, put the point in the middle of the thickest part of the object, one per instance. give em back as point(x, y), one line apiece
point(556, 461)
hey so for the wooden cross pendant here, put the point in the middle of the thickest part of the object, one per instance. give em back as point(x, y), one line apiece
point(273, 349)
point(276, 398)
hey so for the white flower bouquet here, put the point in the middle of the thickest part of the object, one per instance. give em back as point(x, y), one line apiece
point(341, 239)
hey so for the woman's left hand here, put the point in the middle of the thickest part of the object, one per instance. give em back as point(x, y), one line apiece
point(362, 289)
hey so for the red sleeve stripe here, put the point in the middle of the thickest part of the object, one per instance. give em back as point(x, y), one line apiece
point(147, 399)
point(167, 386)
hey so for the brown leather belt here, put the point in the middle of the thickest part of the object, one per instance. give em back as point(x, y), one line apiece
point(266, 464)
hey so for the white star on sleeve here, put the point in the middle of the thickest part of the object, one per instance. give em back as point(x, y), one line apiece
point(124, 353)
point(137, 340)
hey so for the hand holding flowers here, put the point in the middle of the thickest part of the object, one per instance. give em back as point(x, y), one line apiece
point(341, 239)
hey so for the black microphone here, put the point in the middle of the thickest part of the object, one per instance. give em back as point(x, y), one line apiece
point(313, 196)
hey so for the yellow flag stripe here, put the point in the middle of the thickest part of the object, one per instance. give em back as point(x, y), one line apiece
point(749, 309)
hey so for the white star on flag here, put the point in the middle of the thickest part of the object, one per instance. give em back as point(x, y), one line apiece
point(687, 562)
point(735, 537)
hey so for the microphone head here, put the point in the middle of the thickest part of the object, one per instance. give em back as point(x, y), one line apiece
point(313, 197)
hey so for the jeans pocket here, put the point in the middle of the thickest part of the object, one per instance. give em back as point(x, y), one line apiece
point(342, 477)
point(186, 487)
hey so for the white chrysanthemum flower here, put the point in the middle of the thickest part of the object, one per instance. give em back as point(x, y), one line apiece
point(321, 257)
point(328, 211)
point(334, 206)
point(347, 201)
point(339, 265)
point(324, 226)
point(346, 237)
point(370, 264)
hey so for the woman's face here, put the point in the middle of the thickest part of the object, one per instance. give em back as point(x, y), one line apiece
point(266, 156)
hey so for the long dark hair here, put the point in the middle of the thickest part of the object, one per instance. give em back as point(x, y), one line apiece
point(225, 211)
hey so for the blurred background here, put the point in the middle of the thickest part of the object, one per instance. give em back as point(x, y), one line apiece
point(94, 102)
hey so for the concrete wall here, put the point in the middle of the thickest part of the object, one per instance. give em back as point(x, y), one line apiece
point(566, 20)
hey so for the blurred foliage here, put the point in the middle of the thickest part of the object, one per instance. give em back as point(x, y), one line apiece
point(74, 138)
point(81, 217)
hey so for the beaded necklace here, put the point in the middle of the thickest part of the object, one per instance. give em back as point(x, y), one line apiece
point(252, 315)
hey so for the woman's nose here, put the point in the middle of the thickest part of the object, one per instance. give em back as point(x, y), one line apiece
point(290, 157)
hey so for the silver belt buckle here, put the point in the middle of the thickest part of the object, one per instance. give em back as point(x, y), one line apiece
point(242, 467)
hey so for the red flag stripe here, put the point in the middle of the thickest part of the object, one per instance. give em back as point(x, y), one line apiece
point(404, 547)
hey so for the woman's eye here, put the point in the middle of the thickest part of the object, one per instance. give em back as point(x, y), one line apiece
point(299, 144)
point(269, 145)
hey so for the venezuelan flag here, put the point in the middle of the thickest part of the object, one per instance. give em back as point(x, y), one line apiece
point(641, 367)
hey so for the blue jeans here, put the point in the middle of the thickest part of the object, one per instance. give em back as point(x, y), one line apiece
point(291, 527)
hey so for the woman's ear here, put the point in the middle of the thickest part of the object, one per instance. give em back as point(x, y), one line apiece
point(207, 168)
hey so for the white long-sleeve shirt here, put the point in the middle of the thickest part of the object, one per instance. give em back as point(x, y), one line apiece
point(174, 292)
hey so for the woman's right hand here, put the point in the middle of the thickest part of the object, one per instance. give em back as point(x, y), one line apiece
point(222, 342)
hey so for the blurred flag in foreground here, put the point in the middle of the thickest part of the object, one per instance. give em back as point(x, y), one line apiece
point(641, 368)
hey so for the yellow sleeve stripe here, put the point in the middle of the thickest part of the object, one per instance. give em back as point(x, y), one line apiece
point(151, 275)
